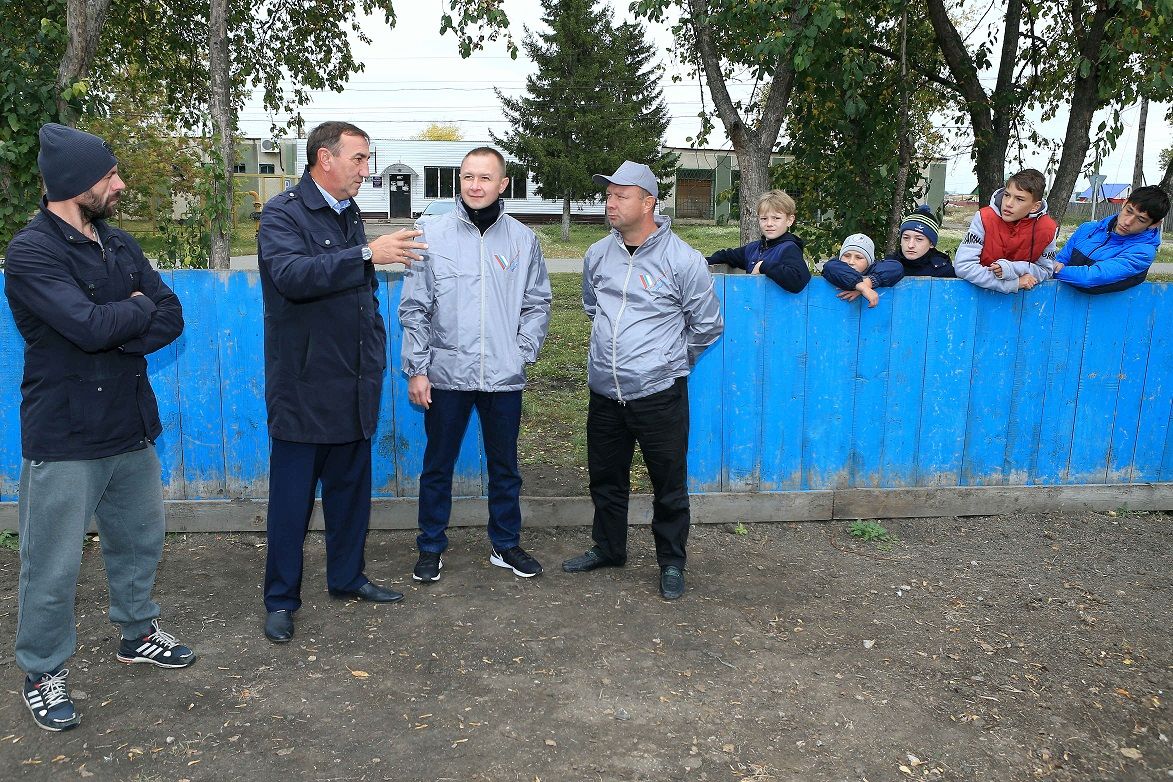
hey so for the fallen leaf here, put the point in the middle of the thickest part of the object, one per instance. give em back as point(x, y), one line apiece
point(551, 743)
point(360, 674)
point(914, 761)
point(906, 770)
point(1132, 753)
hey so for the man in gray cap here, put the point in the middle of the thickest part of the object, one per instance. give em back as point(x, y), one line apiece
point(653, 311)
point(90, 308)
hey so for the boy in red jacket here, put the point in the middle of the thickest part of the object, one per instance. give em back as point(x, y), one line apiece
point(1010, 245)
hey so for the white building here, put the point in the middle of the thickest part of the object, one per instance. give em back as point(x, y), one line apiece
point(407, 175)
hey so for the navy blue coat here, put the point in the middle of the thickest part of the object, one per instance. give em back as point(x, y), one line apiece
point(934, 263)
point(85, 393)
point(325, 342)
point(883, 273)
point(781, 260)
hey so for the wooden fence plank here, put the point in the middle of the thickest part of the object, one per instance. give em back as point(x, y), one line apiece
point(1030, 377)
point(705, 402)
point(906, 378)
point(995, 349)
point(739, 396)
point(947, 381)
point(832, 337)
point(200, 413)
point(242, 384)
point(784, 366)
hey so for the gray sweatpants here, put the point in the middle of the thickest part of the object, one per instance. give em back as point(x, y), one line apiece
point(57, 499)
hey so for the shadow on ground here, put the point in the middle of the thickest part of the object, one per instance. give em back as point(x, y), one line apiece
point(1009, 648)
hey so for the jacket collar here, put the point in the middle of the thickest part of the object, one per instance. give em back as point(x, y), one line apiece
point(663, 228)
point(307, 191)
point(68, 232)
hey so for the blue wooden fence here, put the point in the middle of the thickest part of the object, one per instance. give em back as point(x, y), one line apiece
point(942, 384)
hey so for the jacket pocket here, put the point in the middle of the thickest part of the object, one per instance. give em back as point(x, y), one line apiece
point(101, 401)
point(95, 286)
point(446, 315)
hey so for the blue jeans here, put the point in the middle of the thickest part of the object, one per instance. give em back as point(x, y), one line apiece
point(57, 499)
point(445, 423)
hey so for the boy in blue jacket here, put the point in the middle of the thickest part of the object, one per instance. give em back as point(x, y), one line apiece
point(778, 254)
point(857, 272)
point(1115, 253)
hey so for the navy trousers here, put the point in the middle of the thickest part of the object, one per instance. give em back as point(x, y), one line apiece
point(295, 470)
point(445, 423)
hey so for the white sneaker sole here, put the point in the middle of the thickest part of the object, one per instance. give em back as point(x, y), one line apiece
point(429, 580)
point(495, 559)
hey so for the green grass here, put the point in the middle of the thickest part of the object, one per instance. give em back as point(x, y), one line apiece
point(244, 237)
point(706, 238)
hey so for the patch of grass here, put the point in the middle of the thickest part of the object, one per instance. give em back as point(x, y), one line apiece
point(740, 529)
point(705, 238)
point(869, 531)
point(244, 237)
point(9, 540)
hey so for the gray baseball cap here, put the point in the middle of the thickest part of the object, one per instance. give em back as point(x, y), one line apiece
point(631, 174)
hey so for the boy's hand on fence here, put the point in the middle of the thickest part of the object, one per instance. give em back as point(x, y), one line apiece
point(996, 268)
point(848, 295)
point(1027, 281)
point(757, 267)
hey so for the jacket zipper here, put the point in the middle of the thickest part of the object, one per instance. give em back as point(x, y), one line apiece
point(481, 237)
point(615, 328)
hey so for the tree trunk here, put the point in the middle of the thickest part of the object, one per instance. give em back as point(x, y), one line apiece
point(990, 115)
point(84, 20)
point(905, 153)
point(1167, 181)
point(1138, 163)
point(752, 144)
point(221, 84)
point(1085, 101)
point(566, 217)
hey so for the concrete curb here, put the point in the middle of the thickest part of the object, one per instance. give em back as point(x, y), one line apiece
point(248, 515)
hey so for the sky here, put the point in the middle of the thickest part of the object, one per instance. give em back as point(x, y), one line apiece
point(414, 77)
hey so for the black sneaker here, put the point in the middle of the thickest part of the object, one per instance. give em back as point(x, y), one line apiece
point(671, 582)
point(591, 560)
point(515, 559)
point(48, 699)
point(156, 647)
point(427, 567)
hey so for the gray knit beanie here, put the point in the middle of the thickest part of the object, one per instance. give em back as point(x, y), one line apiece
point(861, 244)
point(72, 161)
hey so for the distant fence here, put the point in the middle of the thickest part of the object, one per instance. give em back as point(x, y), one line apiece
point(941, 385)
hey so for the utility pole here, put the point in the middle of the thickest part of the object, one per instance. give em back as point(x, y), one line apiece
point(1138, 164)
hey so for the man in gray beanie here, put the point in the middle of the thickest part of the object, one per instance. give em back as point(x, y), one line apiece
point(90, 308)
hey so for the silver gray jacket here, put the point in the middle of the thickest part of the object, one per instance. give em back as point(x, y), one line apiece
point(653, 313)
point(476, 309)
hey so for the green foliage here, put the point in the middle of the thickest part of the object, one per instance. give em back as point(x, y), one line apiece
point(868, 531)
point(9, 540)
point(740, 529)
point(31, 43)
point(593, 102)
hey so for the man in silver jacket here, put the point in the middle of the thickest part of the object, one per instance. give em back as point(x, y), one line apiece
point(474, 312)
point(653, 311)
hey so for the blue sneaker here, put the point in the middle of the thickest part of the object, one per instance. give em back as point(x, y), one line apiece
point(156, 647)
point(47, 698)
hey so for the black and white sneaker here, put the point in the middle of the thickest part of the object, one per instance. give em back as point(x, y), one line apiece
point(156, 647)
point(427, 567)
point(47, 698)
point(515, 559)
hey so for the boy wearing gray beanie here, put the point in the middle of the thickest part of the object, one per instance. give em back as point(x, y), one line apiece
point(90, 308)
point(857, 273)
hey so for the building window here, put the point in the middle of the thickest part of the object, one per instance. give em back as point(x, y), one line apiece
point(440, 181)
point(268, 168)
point(239, 168)
point(517, 181)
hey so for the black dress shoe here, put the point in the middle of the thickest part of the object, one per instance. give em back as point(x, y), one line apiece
point(671, 582)
point(371, 592)
point(279, 626)
point(589, 561)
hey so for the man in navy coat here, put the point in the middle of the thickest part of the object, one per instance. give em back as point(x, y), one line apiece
point(325, 354)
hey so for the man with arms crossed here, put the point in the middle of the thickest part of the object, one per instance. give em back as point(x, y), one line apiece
point(90, 308)
point(653, 311)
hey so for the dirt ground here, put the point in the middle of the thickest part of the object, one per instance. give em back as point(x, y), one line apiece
point(1007, 648)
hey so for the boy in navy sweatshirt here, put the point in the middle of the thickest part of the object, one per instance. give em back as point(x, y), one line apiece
point(857, 272)
point(917, 251)
point(778, 254)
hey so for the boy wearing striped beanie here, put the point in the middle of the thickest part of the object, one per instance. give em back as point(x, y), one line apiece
point(917, 251)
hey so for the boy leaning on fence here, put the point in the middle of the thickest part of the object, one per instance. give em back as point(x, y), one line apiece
point(778, 254)
point(1115, 253)
point(1010, 245)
